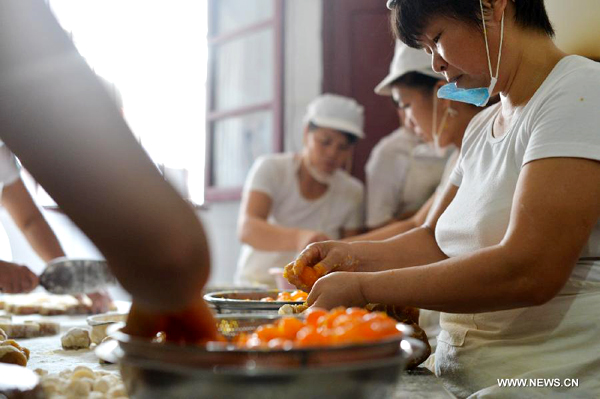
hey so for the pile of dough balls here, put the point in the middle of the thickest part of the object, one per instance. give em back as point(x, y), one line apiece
point(82, 383)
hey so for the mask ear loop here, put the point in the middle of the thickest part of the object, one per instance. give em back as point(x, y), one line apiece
point(438, 130)
point(487, 48)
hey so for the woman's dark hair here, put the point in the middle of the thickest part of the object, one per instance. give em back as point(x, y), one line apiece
point(352, 139)
point(410, 17)
point(417, 80)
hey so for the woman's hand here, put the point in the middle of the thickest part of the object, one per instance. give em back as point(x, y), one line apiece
point(317, 260)
point(16, 278)
point(337, 289)
point(194, 325)
point(307, 237)
point(101, 301)
point(331, 255)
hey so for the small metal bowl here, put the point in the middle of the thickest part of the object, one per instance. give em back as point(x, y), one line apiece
point(219, 371)
point(246, 301)
point(100, 323)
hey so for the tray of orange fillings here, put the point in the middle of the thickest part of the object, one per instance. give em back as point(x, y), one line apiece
point(254, 301)
point(343, 353)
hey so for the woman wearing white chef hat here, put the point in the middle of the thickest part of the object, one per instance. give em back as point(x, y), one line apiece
point(291, 200)
point(511, 256)
point(402, 172)
point(442, 122)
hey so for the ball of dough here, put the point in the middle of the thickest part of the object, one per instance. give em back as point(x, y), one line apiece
point(80, 387)
point(76, 338)
point(82, 372)
point(11, 355)
point(103, 384)
point(117, 391)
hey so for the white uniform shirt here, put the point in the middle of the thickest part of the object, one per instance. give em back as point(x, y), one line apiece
point(562, 119)
point(277, 176)
point(10, 171)
point(401, 175)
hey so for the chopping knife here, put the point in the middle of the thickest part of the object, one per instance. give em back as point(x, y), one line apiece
point(76, 276)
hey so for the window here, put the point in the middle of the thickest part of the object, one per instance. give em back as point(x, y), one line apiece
point(245, 75)
point(155, 53)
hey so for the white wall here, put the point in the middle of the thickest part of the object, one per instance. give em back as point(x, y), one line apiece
point(303, 65)
point(577, 25)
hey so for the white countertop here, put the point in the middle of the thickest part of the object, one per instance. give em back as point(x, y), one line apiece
point(47, 352)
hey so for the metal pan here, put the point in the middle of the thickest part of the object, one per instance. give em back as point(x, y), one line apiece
point(246, 301)
point(222, 371)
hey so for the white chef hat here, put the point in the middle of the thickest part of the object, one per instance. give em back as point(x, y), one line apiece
point(337, 112)
point(406, 59)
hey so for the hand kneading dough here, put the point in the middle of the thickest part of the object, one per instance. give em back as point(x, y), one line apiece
point(76, 338)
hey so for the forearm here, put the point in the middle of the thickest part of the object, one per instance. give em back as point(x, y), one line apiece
point(416, 247)
point(397, 228)
point(385, 232)
point(265, 236)
point(484, 281)
point(42, 239)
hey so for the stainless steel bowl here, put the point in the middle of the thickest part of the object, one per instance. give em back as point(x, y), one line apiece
point(220, 371)
point(246, 301)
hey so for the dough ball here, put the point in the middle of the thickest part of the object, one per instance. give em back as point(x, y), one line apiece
point(82, 372)
point(11, 355)
point(76, 338)
point(79, 387)
point(103, 384)
point(117, 391)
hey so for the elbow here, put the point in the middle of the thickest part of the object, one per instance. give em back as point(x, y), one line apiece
point(244, 230)
point(539, 281)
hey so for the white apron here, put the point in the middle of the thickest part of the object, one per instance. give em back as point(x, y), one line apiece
point(558, 340)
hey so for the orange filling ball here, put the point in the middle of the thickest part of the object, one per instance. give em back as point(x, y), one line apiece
point(302, 276)
point(294, 296)
point(320, 328)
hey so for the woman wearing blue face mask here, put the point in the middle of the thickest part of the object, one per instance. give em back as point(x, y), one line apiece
point(511, 256)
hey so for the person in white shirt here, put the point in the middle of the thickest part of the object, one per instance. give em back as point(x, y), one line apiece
point(15, 198)
point(402, 170)
point(511, 256)
point(443, 121)
point(291, 200)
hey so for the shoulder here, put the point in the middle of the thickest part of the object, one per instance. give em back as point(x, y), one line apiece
point(574, 80)
point(274, 163)
point(400, 141)
point(393, 148)
point(8, 162)
point(275, 159)
point(348, 185)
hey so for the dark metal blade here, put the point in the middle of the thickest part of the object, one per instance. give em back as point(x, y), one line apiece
point(76, 276)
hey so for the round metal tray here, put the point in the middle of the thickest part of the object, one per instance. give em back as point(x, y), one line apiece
point(246, 301)
point(218, 370)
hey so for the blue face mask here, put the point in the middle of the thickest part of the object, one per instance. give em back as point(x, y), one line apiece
point(479, 96)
